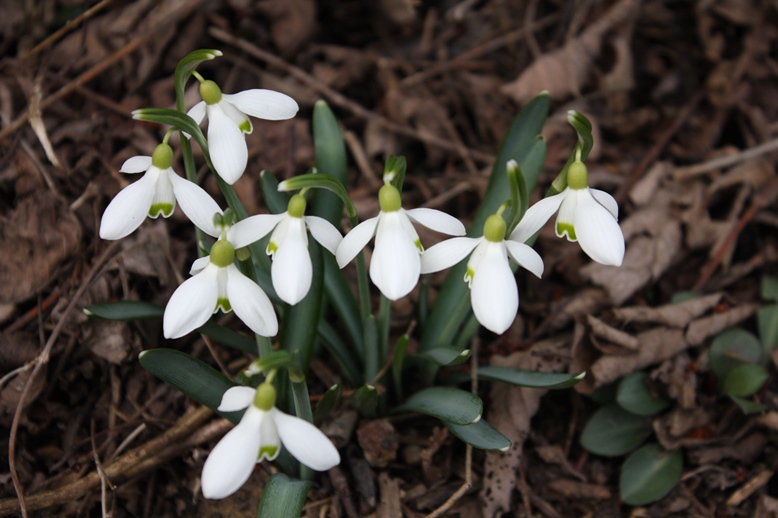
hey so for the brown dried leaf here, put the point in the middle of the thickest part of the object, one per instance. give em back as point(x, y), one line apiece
point(671, 428)
point(600, 329)
point(293, 22)
point(379, 442)
point(389, 506)
point(703, 328)
point(510, 412)
point(745, 450)
point(111, 341)
point(574, 489)
point(37, 236)
point(672, 315)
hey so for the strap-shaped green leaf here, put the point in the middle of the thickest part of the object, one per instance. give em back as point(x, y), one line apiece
point(445, 355)
point(185, 67)
point(519, 195)
point(365, 400)
point(328, 402)
point(277, 202)
point(480, 435)
point(342, 354)
point(446, 403)
point(176, 119)
point(283, 497)
point(194, 378)
point(342, 300)
point(330, 152)
point(124, 310)
point(320, 181)
point(398, 360)
point(533, 379)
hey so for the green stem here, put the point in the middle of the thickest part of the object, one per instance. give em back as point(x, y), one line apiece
point(302, 407)
point(362, 286)
point(384, 314)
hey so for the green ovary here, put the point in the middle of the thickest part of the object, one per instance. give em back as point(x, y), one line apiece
point(166, 209)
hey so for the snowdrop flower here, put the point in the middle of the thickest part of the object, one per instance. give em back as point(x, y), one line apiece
point(218, 284)
point(493, 292)
point(586, 215)
point(154, 194)
point(259, 436)
point(395, 265)
point(292, 270)
point(228, 120)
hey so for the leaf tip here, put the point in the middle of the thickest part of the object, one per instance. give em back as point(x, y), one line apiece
point(477, 418)
point(87, 312)
point(505, 448)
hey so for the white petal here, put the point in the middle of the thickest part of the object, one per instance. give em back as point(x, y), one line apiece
point(305, 442)
point(536, 216)
point(250, 303)
point(129, 208)
point(396, 263)
point(292, 270)
point(192, 304)
point(197, 204)
point(253, 228)
point(269, 442)
point(598, 232)
point(607, 201)
point(199, 265)
point(566, 216)
point(226, 145)
point(136, 164)
point(494, 295)
point(232, 461)
point(236, 398)
point(324, 232)
point(197, 112)
point(437, 221)
point(164, 201)
point(526, 257)
point(264, 104)
point(447, 253)
point(355, 241)
point(238, 117)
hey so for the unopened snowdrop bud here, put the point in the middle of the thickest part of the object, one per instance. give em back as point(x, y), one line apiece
point(210, 92)
point(389, 198)
point(222, 254)
point(494, 228)
point(265, 397)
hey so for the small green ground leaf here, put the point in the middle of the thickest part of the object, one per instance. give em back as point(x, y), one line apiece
point(228, 337)
point(283, 497)
point(445, 356)
point(532, 379)
point(480, 435)
point(124, 310)
point(189, 375)
point(770, 288)
point(767, 321)
point(634, 395)
point(606, 394)
point(731, 348)
point(649, 474)
point(683, 296)
point(613, 431)
point(445, 403)
point(744, 380)
point(365, 399)
point(328, 402)
point(748, 406)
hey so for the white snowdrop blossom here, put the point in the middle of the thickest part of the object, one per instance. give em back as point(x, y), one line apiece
point(259, 435)
point(493, 291)
point(154, 194)
point(228, 120)
point(589, 216)
point(216, 283)
point(395, 265)
point(292, 270)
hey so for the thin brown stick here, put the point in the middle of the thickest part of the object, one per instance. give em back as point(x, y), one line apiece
point(340, 100)
point(683, 173)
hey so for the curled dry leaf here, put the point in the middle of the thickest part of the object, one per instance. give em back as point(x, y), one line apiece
point(745, 450)
point(511, 409)
point(379, 442)
point(575, 489)
point(563, 71)
point(293, 22)
point(703, 328)
point(390, 504)
point(671, 428)
point(600, 329)
point(680, 379)
point(672, 315)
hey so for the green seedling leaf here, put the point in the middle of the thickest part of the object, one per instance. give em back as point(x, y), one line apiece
point(606, 394)
point(330, 151)
point(365, 399)
point(328, 402)
point(649, 474)
point(748, 406)
point(445, 403)
point(394, 171)
point(320, 181)
point(194, 378)
point(445, 356)
point(635, 395)
point(283, 497)
point(770, 288)
point(767, 322)
point(480, 435)
point(744, 380)
point(732, 348)
point(613, 431)
point(124, 310)
point(533, 379)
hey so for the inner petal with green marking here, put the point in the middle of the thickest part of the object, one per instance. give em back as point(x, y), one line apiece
point(166, 209)
point(566, 228)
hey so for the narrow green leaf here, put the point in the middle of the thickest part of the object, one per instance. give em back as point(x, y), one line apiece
point(748, 406)
point(445, 403)
point(277, 202)
point(634, 395)
point(320, 181)
point(480, 435)
point(519, 194)
point(767, 322)
point(228, 337)
point(649, 474)
point(770, 288)
point(365, 399)
point(371, 349)
point(744, 380)
point(398, 360)
point(280, 359)
point(330, 152)
point(732, 348)
point(194, 378)
point(533, 379)
point(341, 298)
point(394, 171)
point(124, 310)
point(605, 395)
point(342, 354)
point(176, 119)
point(613, 431)
point(185, 67)
point(283, 497)
point(583, 127)
point(445, 356)
point(328, 402)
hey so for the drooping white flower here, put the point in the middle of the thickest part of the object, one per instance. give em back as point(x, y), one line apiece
point(154, 194)
point(218, 284)
point(259, 435)
point(292, 270)
point(493, 292)
point(395, 265)
point(589, 216)
point(228, 120)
